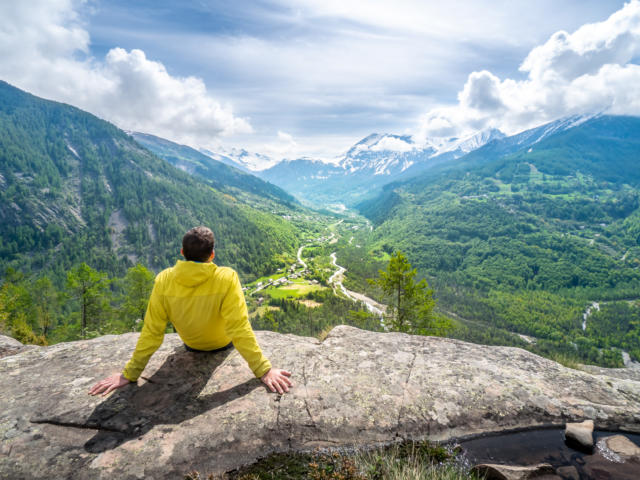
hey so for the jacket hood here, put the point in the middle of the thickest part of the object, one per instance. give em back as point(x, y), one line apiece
point(192, 274)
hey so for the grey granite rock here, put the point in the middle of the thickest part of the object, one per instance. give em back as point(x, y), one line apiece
point(580, 434)
point(11, 346)
point(207, 412)
point(492, 471)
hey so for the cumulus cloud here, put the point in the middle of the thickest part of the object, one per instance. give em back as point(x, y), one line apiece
point(45, 49)
point(588, 70)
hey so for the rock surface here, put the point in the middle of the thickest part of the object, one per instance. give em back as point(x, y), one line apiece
point(580, 434)
point(11, 346)
point(491, 471)
point(202, 412)
point(623, 447)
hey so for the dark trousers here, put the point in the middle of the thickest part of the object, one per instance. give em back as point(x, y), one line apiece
point(226, 347)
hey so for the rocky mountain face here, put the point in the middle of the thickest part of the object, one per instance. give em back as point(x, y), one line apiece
point(207, 412)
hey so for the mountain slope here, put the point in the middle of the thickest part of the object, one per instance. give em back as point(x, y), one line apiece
point(221, 176)
point(526, 240)
point(76, 188)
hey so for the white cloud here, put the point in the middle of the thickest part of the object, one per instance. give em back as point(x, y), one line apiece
point(44, 49)
point(284, 146)
point(590, 69)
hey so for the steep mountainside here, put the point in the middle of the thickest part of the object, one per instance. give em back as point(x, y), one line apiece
point(525, 232)
point(218, 174)
point(75, 188)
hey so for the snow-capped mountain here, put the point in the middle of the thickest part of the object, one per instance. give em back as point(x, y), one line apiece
point(241, 158)
point(390, 155)
point(382, 154)
point(372, 162)
point(464, 145)
point(381, 158)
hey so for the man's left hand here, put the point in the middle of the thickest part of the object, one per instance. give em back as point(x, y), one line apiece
point(117, 380)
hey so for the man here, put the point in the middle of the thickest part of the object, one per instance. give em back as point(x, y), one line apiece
point(206, 306)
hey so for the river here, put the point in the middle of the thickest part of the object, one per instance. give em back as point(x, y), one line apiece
point(336, 280)
point(300, 261)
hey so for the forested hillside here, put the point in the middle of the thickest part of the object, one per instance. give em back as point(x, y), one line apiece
point(223, 177)
point(75, 188)
point(525, 240)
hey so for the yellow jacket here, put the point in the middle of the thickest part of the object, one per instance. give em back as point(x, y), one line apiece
point(206, 305)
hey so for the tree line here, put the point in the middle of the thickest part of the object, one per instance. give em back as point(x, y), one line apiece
point(88, 303)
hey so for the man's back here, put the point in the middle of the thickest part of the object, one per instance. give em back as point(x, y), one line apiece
point(206, 306)
point(193, 295)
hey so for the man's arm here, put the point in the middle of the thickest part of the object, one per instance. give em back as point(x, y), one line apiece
point(238, 328)
point(155, 323)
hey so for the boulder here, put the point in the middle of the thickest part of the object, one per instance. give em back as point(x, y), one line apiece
point(568, 472)
point(11, 346)
point(622, 447)
point(207, 412)
point(580, 435)
point(492, 471)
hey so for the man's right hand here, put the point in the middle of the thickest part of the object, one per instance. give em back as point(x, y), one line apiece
point(277, 380)
point(117, 380)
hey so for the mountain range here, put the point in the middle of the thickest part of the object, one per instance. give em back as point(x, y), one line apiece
point(379, 159)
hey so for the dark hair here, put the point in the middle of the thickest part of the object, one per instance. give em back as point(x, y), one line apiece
point(197, 244)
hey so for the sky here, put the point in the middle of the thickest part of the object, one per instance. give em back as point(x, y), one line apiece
point(312, 77)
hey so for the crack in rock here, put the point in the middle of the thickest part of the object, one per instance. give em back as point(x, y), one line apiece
point(82, 426)
point(404, 393)
point(306, 395)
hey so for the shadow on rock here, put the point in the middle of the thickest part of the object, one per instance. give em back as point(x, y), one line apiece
point(170, 396)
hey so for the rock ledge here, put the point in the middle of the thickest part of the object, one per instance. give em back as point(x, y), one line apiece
point(207, 412)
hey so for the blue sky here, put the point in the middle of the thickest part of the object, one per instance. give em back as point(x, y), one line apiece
point(293, 78)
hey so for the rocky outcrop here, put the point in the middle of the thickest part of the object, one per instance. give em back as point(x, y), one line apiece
point(207, 412)
point(580, 435)
point(11, 346)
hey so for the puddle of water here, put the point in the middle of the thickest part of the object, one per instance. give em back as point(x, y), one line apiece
point(548, 446)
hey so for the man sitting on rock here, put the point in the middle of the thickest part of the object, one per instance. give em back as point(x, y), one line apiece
point(206, 305)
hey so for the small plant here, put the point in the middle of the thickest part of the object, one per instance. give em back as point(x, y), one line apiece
point(403, 461)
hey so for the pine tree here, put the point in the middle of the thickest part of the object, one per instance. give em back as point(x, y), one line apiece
point(138, 283)
point(90, 288)
point(410, 304)
point(45, 303)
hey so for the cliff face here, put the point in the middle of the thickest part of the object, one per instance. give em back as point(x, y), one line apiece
point(207, 412)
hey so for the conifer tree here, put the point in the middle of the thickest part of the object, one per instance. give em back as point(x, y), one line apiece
point(410, 304)
point(90, 288)
point(138, 283)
